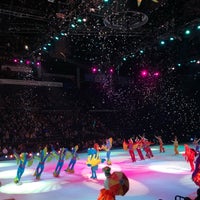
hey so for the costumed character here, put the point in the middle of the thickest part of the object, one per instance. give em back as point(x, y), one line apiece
point(43, 157)
point(159, 138)
point(130, 146)
point(22, 160)
point(115, 184)
point(139, 148)
point(61, 156)
point(107, 147)
point(70, 167)
point(196, 144)
point(93, 161)
point(175, 141)
point(190, 155)
point(105, 193)
point(196, 172)
point(146, 146)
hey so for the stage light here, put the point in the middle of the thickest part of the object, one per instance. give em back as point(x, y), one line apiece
point(38, 64)
point(192, 61)
point(44, 48)
point(156, 74)
point(73, 25)
point(26, 47)
point(111, 70)
point(162, 42)
point(28, 62)
point(106, 1)
point(57, 38)
point(94, 70)
point(84, 19)
point(124, 58)
point(179, 64)
point(79, 20)
point(15, 60)
point(198, 27)
point(171, 38)
point(141, 51)
point(187, 32)
point(144, 73)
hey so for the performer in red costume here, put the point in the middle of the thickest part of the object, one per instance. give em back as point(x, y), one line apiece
point(139, 147)
point(130, 146)
point(146, 146)
point(159, 138)
point(190, 155)
point(196, 172)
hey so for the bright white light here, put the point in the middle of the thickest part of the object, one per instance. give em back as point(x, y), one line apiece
point(12, 173)
point(31, 187)
point(8, 164)
point(173, 167)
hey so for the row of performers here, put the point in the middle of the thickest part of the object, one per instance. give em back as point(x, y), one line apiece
point(94, 158)
point(63, 154)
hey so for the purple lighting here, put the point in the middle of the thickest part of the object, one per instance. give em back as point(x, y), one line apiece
point(28, 62)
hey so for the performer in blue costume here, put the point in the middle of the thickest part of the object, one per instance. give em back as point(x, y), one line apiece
point(22, 160)
point(107, 147)
point(61, 156)
point(42, 159)
point(70, 168)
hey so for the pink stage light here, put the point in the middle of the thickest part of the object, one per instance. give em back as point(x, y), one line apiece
point(28, 62)
point(156, 74)
point(38, 64)
point(94, 70)
point(111, 70)
point(15, 60)
point(144, 73)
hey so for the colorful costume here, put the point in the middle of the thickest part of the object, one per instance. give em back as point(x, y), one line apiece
point(107, 147)
point(162, 149)
point(22, 160)
point(60, 156)
point(146, 146)
point(105, 193)
point(139, 147)
point(73, 160)
point(42, 158)
point(196, 172)
point(93, 161)
point(190, 155)
point(130, 146)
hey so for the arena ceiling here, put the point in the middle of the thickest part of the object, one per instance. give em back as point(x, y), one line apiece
point(95, 32)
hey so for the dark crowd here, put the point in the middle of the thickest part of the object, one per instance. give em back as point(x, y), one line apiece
point(32, 116)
